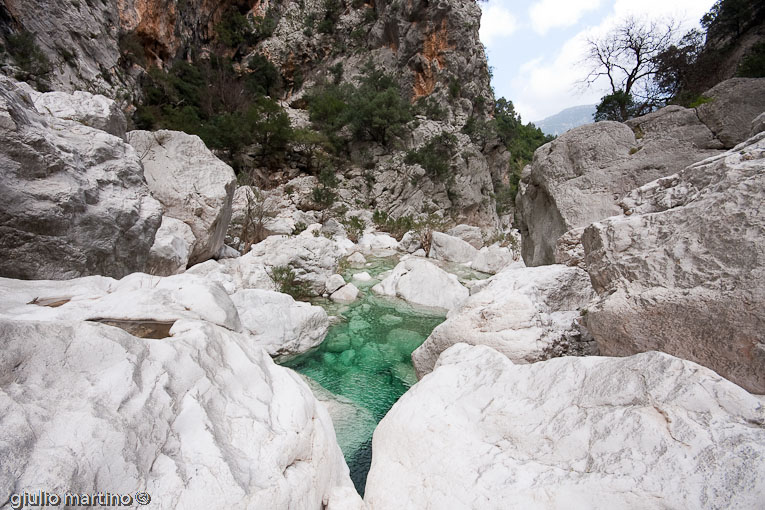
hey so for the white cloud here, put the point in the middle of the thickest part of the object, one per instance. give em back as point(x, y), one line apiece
point(496, 22)
point(549, 84)
point(547, 14)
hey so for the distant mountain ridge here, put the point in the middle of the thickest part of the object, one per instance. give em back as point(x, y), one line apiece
point(567, 119)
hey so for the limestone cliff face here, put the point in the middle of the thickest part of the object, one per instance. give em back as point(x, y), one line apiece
point(431, 48)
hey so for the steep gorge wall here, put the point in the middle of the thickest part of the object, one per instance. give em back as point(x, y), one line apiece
point(432, 49)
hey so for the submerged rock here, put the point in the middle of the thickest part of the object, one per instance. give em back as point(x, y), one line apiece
point(681, 271)
point(193, 185)
point(278, 323)
point(527, 314)
point(650, 431)
point(74, 199)
point(92, 408)
point(421, 282)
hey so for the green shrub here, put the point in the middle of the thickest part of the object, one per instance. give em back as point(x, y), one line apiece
point(396, 227)
point(286, 281)
point(434, 157)
point(354, 227)
point(324, 194)
point(753, 65)
point(263, 78)
point(700, 100)
point(33, 65)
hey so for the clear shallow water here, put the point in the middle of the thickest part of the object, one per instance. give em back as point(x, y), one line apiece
point(366, 359)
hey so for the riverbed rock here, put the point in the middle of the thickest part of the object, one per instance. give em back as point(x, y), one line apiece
point(313, 259)
point(362, 277)
point(207, 402)
point(171, 249)
point(334, 282)
point(650, 431)
point(682, 270)
point(468, 233)
point(527, 314)
point(347, 294)
point(423, 283)
point(410, 242)
point(278, 323)
point(74, 199)
point(377, 241)
point(357, 259)
point(492, 259)
point(138, 302)
point(451, 249)
point(193, 185)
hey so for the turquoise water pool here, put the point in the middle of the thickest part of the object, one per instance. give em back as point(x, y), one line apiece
point(366, 359)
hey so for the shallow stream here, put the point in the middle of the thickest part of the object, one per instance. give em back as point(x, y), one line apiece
point(365, 361)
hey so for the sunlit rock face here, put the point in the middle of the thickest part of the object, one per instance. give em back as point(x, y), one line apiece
point(74, 199)
point(581, 176)
point(202, 420)
point(682, 270)
point(649, 431)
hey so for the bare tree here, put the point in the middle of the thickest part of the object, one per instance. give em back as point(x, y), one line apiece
point(628, 57)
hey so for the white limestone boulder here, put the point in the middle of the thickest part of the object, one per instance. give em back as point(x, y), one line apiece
point(493, 259)
point(357, 259)
point(346, 294)
point(362, 277)
point(423, 283)
point(74, 198)
point(650, 431)
point(93, 110)
point(193, 185)
point(139, 303)
point(313, 258)
point(203, 420)
point(468, 233)
point(278, 323)
point(451, 249)
point(171, 249)
point(682, 270)
point(377, 242)
point(334, 282)
point(527, 314)
point(409, 243)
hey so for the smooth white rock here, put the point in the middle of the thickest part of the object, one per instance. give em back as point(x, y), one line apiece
point(421, 282)
point(203, 420)
point(278, 323)
point(492, 259)
point(376, 241)
point(468, 233)
point(650, 432)
point(357, 259)
point(93, 110)
point(451, 249)
point(347, 294)
point(334, 282)
point(409, 242)
point(171, 249)
point(193, 185)
point(362, 277)
point(313, 259)
point(527, 314)
point(137, 297)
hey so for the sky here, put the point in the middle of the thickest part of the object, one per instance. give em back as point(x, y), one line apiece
point(535, 47)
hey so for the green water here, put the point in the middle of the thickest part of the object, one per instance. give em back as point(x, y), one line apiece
point(366, 358)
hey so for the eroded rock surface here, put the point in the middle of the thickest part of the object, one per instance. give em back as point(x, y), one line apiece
point(193, 185)
point(91, 408)
point(682, 270)
point(74, 199)
point(421, 282)
point(527, 314)
point(650, 431)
